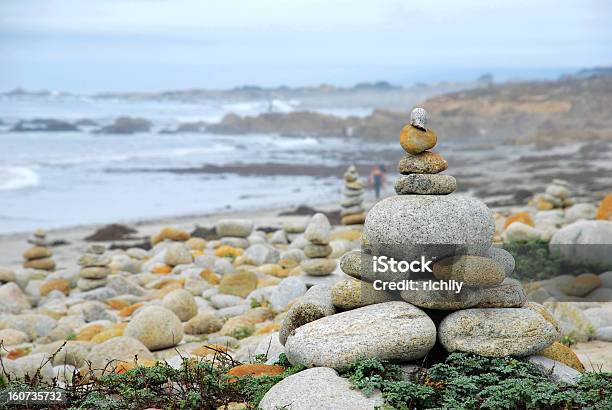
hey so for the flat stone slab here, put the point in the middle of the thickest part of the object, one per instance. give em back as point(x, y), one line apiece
point(425, 184)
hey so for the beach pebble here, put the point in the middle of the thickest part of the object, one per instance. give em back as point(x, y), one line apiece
point(318, 266)
point(320, 387)
point(424, 163)
point(518, 232)
point(469, 269)
point(496, 332)
point(315, 304)
point(182, 303)
point(11, 337)
point(287, 290)
point(442, 299)
point(30, 365)
point(203, 323)
point(407, 227)
point(318, 230)
point(425, 184)
point(353, 293)
point(116, 350)
point(509, 293)
point(221, 301)
point(395, 331)
point(178, 254)
point(7, 275)
point(156, 327)
point(580, 211)
point(238, 284)
point(234, 227)
point(12, 299)
point(260, 254)
point(415, 140)
point(557, 372)
point(584, 242)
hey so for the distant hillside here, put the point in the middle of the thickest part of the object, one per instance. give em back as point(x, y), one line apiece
point(569, 109)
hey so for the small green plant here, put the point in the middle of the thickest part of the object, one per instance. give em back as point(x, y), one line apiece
point(569, 340)
point(242, 332)
point(466, 381)
point(254, 303)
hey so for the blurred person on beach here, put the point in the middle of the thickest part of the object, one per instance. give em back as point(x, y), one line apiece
point(377, 178)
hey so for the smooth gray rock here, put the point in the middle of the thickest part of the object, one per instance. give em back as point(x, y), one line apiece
point(604, 334)
point(395, 331)
point(318, 230)
point(584, 241)
point(425, 184)
point(606, 279)
point(508, 294)
point(503, 257)
point(286, 291)
point(496, 332)
point(580, 211)
point(260, 254)
point(234, 227)
point(406, 227)
point(443, 299)
point(318, 388)
point(315, 304)
point(556, 371)
point(353, 293)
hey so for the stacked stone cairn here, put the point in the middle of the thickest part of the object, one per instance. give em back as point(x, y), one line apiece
point(95, 268)
point(333, 326)
point(556, 196)
point(318, 250)
point(353, 212)
point(39, 256)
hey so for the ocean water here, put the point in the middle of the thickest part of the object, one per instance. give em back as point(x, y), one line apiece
point(58, 179)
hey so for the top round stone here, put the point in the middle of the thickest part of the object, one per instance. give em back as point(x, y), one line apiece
point(419, 117)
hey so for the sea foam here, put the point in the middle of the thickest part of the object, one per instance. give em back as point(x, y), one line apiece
point(12, 178)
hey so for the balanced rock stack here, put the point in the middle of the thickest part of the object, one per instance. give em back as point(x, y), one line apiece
point(317, 250)
point(39, 255)
point(557, 196)
point(94, 268)
point(234, 232)
point(353, 212)
point(420, 167)
point(487, 315)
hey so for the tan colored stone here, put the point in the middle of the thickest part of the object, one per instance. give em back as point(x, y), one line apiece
point(37, 252)
point(415, 140)
point(471, 270)
point(426, 162)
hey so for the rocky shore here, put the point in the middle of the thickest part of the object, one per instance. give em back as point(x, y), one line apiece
point(261, 288)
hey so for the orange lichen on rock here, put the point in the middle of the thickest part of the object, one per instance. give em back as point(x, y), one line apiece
point(88, 332)
point(524, 217)
point(106, 335)
point(55, 284)
point(209, 350)
point(256, 370)
point(171, 234)
point(563, 354)
point(116, 304)
point(604, 212)
point(210, 277)
point(123, 367)
point(162, 269)
point(128, 311)
point(226, 251)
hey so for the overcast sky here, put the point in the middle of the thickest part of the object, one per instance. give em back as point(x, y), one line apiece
point(121, 45)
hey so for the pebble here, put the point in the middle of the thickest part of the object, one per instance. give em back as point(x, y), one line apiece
point(203, 323)
point(318, 230)
point(12, 299)
point(584, 241)
point(503, 258)
point(415, 140)
point(178, 254)
point(496, 332)
point(443, 299)
point(182, 303)
point(604, 334)
point(425, 184)
point(156, 327)
point(234, 227)
point(287, 290)
point(117, 349)
point(579, 212)
point(321, 388)
point(315, 304)
point(318, 266)
point(259, 254)
point(557, 372)
point(238, 284)
point(518, 232)
point(471, 270)
point(317, 251)
point(509, 293)
point(352, 294)
point(407, 227)
point(424, 163)
point(395, 331)
point(30, 366)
